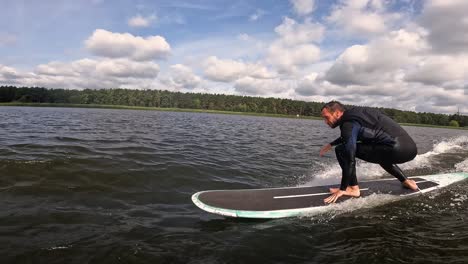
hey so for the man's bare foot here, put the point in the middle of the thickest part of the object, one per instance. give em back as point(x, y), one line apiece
point(350, 191)
point(353, 191)
point(410, 184)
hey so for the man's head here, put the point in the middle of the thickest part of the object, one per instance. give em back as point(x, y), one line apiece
point(332, 112)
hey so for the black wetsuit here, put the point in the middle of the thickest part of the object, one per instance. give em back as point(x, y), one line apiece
point(370, 135)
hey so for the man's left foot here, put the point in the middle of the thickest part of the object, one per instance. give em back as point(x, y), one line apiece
point(410, 184)
point(352, 191)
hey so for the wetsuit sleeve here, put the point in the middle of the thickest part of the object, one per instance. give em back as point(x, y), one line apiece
point(349, 135)
point(336, 141)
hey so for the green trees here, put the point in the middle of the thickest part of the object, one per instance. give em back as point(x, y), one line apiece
point(167, 99)
point(454, 123)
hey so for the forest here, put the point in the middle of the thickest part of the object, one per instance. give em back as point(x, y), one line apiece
point(204, 101)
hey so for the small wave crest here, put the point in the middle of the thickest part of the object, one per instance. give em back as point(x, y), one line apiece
point(462, 166)
point(446, 146)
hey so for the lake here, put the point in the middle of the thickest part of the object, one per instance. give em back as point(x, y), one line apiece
point(114, 186)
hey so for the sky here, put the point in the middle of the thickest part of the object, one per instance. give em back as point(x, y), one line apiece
point(404, 54)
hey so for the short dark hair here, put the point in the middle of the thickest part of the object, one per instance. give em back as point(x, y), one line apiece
point(333, 106)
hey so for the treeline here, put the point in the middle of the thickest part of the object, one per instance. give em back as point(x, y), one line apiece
point(167, 99)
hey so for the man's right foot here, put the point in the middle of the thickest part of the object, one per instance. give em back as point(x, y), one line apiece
point(410, 184)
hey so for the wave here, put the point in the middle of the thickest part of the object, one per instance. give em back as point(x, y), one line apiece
point(462, 166)
point(448, 146)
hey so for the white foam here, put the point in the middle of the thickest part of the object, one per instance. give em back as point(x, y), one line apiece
point(59, 247)
point(460, 142)
point(462, 166)
point(459, 197)
point(371, 201)
point(331, 174)
point(446, 146)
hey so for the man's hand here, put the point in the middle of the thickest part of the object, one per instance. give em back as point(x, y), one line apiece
point(325, 149)
point(332, 198)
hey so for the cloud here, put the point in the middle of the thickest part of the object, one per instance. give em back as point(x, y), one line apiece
point(295, 45)
point(116, 45)
point(287, 59)
point(308, 86)
point(439, 69)
point(254, 86)
point(292, 33)
point(56, 68)
point(122, 68)
point(380, 60)
point(361, 18)
point(8, 73)
point(454, 98)
point(447, 23)
point(407, 68)
point(140, 21)
point(244, 37)
point(257, 15)
point(231, 70)
point(86, 73)
point(181, 77)
point(303, 7)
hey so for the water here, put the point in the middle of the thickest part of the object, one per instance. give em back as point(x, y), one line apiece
point(114, 186)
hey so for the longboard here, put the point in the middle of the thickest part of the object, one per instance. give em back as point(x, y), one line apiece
point(296, 201)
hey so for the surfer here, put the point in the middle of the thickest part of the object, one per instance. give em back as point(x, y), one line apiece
point(369, 135)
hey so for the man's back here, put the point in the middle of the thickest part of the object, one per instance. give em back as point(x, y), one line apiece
point(375, 126)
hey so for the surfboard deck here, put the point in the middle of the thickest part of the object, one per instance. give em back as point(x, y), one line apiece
point(295, 201)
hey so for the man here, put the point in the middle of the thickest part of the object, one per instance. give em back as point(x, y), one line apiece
point(371, 136)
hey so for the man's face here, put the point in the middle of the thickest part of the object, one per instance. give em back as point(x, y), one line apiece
point(331, 118)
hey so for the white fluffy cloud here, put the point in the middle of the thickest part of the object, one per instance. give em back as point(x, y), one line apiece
point(381, 60)
point(122, 68)
point(181, 77)
point(116, 45)
point(288, 59)
point(141, 21)
point(292, 33)
point(362, 17)
point(447, 23)
point(230, 70)
point(440, 69)
point(86, 73)
point(296, 45)
point(303, 7)
point(8, 73)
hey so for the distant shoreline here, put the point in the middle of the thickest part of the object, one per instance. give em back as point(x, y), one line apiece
point(125, 107)
point(193, 110)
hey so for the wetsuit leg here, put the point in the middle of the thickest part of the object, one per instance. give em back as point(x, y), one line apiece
point(386, 156)
point(394, 170)
point(344, 164)
point(404, 150)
